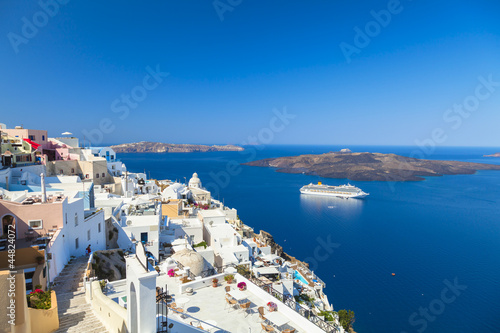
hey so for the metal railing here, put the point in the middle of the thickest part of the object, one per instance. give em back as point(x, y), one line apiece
point(289, 301)
point(162, 298)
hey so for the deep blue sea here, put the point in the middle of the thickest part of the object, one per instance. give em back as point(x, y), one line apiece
point(433, 234)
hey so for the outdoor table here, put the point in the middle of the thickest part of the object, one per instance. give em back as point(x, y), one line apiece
point(213, 323)
point(182, 301)
point(277, 318)
point(238, 295)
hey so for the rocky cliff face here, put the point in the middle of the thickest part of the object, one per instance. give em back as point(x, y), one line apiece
point(268, 239)
point(159, 147)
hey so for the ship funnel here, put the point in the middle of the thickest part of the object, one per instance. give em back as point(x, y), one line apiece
point(319, 183)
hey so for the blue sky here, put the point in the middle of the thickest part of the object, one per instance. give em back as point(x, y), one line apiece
point(229, 67)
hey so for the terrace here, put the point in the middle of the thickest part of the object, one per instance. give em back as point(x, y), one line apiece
point(207, 306)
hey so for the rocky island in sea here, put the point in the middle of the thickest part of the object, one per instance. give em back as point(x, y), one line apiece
point(369, 166)
point(493, 155)
point(159, 147)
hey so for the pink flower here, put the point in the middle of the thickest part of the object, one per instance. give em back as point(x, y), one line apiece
point(38, 290)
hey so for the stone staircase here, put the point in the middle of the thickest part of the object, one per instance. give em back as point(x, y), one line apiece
point(75, 314)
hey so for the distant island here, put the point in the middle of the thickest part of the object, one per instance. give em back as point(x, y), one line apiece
point(159, 147)
point(493, 155)
point(369, 166)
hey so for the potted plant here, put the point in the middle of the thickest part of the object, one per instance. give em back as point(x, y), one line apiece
point(39, 299)
point(171, 273)
point(157, 269)
point(229, 278)
point(272, 306)
point(242, 286)
point(214, 282)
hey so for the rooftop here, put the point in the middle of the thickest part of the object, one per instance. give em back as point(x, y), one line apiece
point(211, 213)
point(208, 304)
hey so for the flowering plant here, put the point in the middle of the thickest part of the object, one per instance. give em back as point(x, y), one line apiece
point(241, 285)
point(272, 306)
point(39, 299)
point(171, 273)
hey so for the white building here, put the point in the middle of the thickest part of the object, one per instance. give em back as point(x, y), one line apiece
point(141, 221)
point(115, 167)
point(176, 191)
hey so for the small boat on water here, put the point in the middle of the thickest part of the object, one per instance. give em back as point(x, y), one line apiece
point(342, 191)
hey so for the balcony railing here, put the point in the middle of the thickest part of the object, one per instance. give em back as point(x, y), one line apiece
point(289, 301)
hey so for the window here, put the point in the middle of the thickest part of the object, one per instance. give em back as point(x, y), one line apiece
point(192, 238)
point(87, 176)
point(144, 237)
point(61, 171)
point(35, 224)
point(28, 276)
point(31, 137)
point(113, 167)
point(103, 175)
point(76, 219)
point(76, 243)
point(43, 137)
point(72, 170)
point(99, 227)
point(88, 234)
point(96, 175)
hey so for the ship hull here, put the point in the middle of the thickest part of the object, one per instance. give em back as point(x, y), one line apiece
point(329, 191)
point(338, 195)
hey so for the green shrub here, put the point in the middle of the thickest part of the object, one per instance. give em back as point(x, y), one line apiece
point(346, 319)
point(204, 244)
point(39, 299)
point(328, 315)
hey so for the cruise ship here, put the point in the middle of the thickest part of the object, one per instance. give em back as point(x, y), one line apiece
point(342, 191)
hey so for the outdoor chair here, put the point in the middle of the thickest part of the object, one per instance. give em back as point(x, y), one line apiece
point(289, 330)
point(246, 307)
point(267, 328)
point(261, 314)
point(231, 302)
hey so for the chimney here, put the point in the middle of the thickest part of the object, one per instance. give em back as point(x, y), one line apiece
point(44, 190)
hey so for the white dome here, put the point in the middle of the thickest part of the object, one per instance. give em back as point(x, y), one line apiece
point(195, 181)
point(191, 259)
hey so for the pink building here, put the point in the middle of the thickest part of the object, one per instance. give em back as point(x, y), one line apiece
point(38, 136)
point(31, 219)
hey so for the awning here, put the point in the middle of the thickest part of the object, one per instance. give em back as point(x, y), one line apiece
point(267, 270)
point(33, 144)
